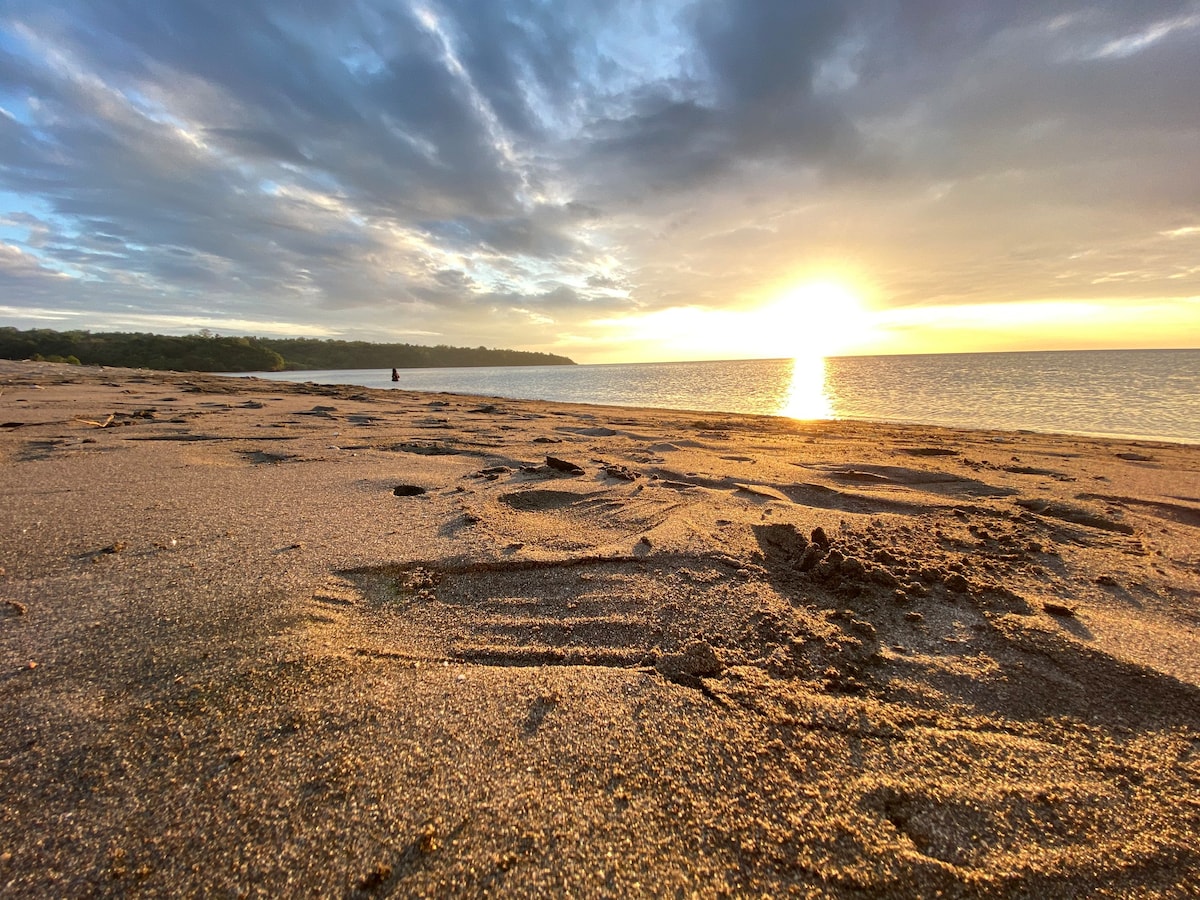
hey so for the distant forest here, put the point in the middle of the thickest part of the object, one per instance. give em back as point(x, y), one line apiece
point(208, 352)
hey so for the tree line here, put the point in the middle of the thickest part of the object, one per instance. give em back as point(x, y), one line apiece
point(209, 352)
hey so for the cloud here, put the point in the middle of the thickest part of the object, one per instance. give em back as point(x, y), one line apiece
point(508, 172)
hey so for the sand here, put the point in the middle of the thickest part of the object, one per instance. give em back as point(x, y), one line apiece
point(260, 638)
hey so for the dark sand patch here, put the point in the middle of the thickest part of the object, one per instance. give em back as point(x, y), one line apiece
point(1075, 514)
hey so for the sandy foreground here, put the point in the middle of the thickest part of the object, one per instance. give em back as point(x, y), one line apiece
point(260, 638)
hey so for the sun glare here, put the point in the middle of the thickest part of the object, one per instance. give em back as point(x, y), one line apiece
point(808, 320)
point(817, 319)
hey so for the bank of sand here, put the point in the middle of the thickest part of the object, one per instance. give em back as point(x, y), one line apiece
point(265, 638)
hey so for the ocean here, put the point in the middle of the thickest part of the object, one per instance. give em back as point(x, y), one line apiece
point(1141, 394)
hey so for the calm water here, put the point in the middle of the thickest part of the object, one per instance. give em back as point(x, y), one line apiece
point(1151, 394)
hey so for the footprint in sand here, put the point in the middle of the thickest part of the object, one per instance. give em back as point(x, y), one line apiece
point(578, 520)
point(933, 481)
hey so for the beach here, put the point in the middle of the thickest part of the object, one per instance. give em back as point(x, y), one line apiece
point(264, 638)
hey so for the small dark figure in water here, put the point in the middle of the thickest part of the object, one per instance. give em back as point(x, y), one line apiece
point(395, 375)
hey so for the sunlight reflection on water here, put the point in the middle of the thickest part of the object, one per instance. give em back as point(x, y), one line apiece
point(808, 391)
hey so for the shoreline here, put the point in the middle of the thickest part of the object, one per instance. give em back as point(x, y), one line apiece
point(261, 635)
point(773, 396)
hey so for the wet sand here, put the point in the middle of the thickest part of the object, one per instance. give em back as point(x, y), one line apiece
point(260, 638)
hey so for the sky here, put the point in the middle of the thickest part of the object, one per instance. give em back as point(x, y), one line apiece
point(613, 180)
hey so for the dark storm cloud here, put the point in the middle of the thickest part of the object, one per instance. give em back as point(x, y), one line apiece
point(751, 97)
point(346, 164)
point(259, 143)
point(764, 55)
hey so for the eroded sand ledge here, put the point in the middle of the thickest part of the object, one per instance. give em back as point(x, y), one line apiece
point(235, 658)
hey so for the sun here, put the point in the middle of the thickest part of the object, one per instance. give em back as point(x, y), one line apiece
point(822, 317)
point(807, 319)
